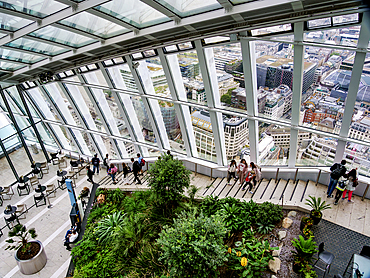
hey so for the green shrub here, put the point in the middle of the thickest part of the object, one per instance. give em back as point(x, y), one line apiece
point(168, 178)
point(269, 213)
point(109, 227)
point(193, 247)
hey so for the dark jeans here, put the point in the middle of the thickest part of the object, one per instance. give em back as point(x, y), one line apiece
point(97, 168)
point(230, 175)
point(136, 175)
point(90, 178)
point(338, 194)
point(331, 187)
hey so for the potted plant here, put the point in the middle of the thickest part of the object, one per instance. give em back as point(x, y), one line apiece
point(304, 247)
point(317, 207)
point(307, 271)
point(299, 262)
point(30, 254)
point(307, 232)
point(306, 221)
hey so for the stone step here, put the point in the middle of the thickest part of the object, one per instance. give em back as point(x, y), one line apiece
point(298, 193)
point(220, 187)
point(225, 192)
point(289, 189)
point(270, 190)
point(211, 186)
point(260, 189)
point(279, 190)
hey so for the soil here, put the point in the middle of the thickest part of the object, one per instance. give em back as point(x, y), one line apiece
point(31, 252)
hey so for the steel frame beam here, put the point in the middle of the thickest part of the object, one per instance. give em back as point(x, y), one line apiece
point(101, 114)
point(21, 92)
point(15, 49)
point(19, 132)
point(176, 86)
point(9, 160)
point(127, 116)
point(156, 120)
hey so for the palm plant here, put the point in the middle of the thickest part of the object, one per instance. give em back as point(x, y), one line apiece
point(317, 205)
point(20, 231)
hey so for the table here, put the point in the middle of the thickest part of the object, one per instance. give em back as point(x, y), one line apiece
point(362, 264)
point(40, 189)
point(24, 180)
point(12, 211)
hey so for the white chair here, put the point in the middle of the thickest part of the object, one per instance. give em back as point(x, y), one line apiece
point(44, 167)
point(50, 188)
point(20, 209)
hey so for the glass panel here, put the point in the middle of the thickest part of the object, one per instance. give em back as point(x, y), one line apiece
point(35, 8)
point(288, 38)
point(10, 66)
point(126, 75)
point(6, 127)
point(184, 8)
point(340, 36)
point(144, 122)
point(240, 1)
point(357, 157)
point(185, 45)
point(95, 78)
point(192, 78)
point(316, 150)
point(343, 19)
point(322, 22)
point(135, 13)
point(171, 48)
point(204, 138)
point(94, 25)
point(13, 23)
point(273, 144)
point(2, 34)
point(46, 137)
point(275, 81)
point(39, 47)
point(52, 33)
point(273, 29)
point(19, 56)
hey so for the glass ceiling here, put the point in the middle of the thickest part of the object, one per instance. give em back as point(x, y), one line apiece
point(52, 33)
point(19, 56)
point(37, 47)
point(184, 8)
point(135, 13)
point(12, 23)
point(94, 25)
point(33, 7)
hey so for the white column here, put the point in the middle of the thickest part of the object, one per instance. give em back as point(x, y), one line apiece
point(175, 83)
point(145, 86)
point(250, 78)
point(208, 70)
point(358, 65)
point(297, 91)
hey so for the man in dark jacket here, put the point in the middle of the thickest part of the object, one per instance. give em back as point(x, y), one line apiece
point(89, 174)
point(337, 171)
point(136, 169)
point(95, 162)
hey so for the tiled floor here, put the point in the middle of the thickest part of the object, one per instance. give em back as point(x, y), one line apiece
point(50, 224)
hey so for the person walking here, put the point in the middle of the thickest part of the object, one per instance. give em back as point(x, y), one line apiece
point(140, 161)
point(257, 173)
point(125, 172)
point(231, 171)
point(251, 175)
point(90, 174)
point(337, 170)
point(136, 169)
point(351, 185)
point(106, 162)
point(112, 172)
point(341, 185)
point(95, 163)
point(242, 170)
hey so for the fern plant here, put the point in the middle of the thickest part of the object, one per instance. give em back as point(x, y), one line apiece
point(109, 226)
point(304, 247)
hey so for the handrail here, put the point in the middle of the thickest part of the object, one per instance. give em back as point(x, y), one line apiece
point(295, 176)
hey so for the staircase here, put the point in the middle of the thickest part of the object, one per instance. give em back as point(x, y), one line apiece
point(291, 194)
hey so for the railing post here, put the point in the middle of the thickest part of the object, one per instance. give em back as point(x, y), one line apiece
point(318, 177)
point(296, 173)
point(277, 175)
point(196, 168)
point(211, 173)
point(367, 188)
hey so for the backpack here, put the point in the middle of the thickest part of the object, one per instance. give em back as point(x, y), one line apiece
point(337, 172)
point(142, 163)
point(341, 185)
